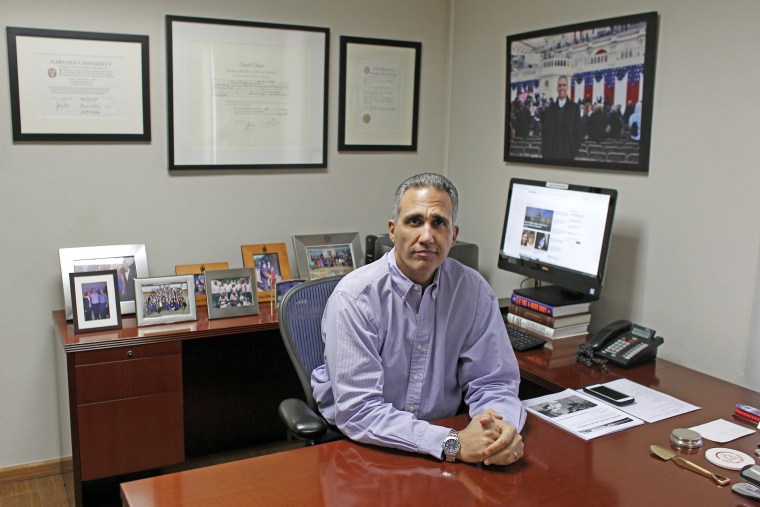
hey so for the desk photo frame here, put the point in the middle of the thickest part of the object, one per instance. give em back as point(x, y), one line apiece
point(379, 94)
point(165, 299)
point(606, 68)
point(246, 95)
point(323, 255)
point(271, 266)
point(78, 86)
point(95, 301)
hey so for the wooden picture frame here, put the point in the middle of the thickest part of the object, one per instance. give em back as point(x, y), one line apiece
point(323, 255)
point(130, 262)
point(165, 299)
point(96, 301)
point(606, 70)
point(223, 284)
point(78, 86)
point(378, 94)
point(199, 274)
point(271, 265)
point(246, 95)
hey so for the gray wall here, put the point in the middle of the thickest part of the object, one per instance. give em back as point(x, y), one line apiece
point(55, 195)
point(696, 205)
point(684, 252)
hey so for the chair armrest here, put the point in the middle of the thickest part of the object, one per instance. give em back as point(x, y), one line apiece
point(301, 420)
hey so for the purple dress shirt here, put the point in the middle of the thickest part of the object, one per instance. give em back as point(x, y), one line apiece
point(397, 356)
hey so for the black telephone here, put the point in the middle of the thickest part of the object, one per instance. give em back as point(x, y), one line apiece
point(626, 344)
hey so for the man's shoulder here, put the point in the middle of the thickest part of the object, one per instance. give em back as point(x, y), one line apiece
point(359, 280)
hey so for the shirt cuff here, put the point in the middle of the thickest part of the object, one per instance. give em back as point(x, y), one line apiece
point(432, 440)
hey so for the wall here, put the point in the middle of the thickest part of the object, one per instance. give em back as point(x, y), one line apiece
point(55, 195)
point(684, 254)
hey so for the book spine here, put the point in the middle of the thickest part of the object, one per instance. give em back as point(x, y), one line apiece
point(534, 316)
point(531, 326)
point(533, 305)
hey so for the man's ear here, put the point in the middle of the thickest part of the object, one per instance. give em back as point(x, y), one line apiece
point(391, 229)
point(456, 233)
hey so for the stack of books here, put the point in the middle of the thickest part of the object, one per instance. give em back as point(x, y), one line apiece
point(563, 325)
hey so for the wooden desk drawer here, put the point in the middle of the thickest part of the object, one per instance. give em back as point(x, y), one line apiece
point(118, 437)
point(127, 379)
point(126, 353)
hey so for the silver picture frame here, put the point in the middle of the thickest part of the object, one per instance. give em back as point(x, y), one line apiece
point(100, 258)
point(178, 294)
point(323, 255)
point(244, 301)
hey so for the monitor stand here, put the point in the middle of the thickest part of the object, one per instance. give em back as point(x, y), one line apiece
point(554, 296)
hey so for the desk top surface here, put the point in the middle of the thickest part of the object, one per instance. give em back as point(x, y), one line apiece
point(557, 469)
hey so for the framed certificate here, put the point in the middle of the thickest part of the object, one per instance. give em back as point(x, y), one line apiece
point(246, 95)
point(78, 86)
point(379, 93)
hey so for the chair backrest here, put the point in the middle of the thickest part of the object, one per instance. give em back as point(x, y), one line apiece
point(300, 317)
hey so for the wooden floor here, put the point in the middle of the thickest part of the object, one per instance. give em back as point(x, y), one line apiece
point(50, 492)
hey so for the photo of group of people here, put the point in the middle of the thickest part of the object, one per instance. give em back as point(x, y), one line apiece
point(569, 405)
point(267, 266)
point(125, 270)
point(165, 299)
point(231, 293)
point(329, 260)
point(95, 301)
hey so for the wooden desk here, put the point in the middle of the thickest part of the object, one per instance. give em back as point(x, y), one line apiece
point(142, 398)
point(557, 469)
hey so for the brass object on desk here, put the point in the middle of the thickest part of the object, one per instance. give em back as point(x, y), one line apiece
point(667, 454)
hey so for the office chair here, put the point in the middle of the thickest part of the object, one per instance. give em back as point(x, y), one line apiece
point(300, 317)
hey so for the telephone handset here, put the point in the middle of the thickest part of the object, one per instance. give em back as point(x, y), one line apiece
point(626, 344)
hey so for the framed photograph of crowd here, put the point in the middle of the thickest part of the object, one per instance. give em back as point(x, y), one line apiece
point(323, 255)
point(231, 293)
point(165, 299)
point(95, 300)
point(271, 266)
point(582, 95)
point(129, 261)
point(199, 274)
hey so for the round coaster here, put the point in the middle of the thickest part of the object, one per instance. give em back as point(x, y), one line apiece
point(728, 458)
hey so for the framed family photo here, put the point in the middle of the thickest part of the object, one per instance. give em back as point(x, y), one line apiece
point(232, 293)
point(199, 274)
point(271, 266)
point(95, 301)
point(323, 255)
point(129, 261)
point(246, 95)
point(582, 95)
point(165, 299)
point(78, 86)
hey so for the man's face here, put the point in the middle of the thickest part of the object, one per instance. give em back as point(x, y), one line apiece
point(562, 88)
point(424, 233)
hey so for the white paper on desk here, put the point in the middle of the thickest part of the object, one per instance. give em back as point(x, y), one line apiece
point(579, 414)
point(722, 431)
point(650, 405)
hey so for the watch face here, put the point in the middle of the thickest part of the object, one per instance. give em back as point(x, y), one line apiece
point(451, 446)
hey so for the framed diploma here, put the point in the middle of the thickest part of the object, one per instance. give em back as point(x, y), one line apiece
point(379, 94)
point(246, 95)
point(78, 86)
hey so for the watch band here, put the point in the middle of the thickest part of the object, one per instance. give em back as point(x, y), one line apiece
point(451, 446)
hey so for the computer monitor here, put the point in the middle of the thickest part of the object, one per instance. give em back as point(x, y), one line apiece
point(466, 253)
point(559, 234)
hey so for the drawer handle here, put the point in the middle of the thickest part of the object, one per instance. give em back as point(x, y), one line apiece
point(130, 353)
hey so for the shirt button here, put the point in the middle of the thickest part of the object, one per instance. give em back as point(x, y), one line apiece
point(410, 408)
point(417, 377)
point(419, 347)
point(416, 288)
point(403, 298)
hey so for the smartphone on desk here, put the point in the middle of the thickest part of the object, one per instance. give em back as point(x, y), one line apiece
point(609, 395)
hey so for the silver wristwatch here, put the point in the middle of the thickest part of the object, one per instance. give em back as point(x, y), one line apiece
point(451, 446)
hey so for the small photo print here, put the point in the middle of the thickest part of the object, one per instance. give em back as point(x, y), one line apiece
point(329, 260)
point(564, 406)
point(268, 275)
point(231, 293)
point(165, 299)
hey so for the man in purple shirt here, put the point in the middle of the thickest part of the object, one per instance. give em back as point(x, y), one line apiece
point(412, 335)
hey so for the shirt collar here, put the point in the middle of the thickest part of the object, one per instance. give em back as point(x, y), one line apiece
point(403, 285)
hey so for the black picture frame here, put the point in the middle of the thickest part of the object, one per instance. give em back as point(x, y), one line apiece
point(604, 62)
point(89, 315)
point(379, 94)
point(246, 95)
point(78, 86)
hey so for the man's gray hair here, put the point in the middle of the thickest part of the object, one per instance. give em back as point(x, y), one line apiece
point(425, 180)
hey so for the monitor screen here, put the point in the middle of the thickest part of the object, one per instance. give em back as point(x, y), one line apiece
point(558, 233)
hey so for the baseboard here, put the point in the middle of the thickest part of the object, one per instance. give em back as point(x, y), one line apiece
point(36, 470)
